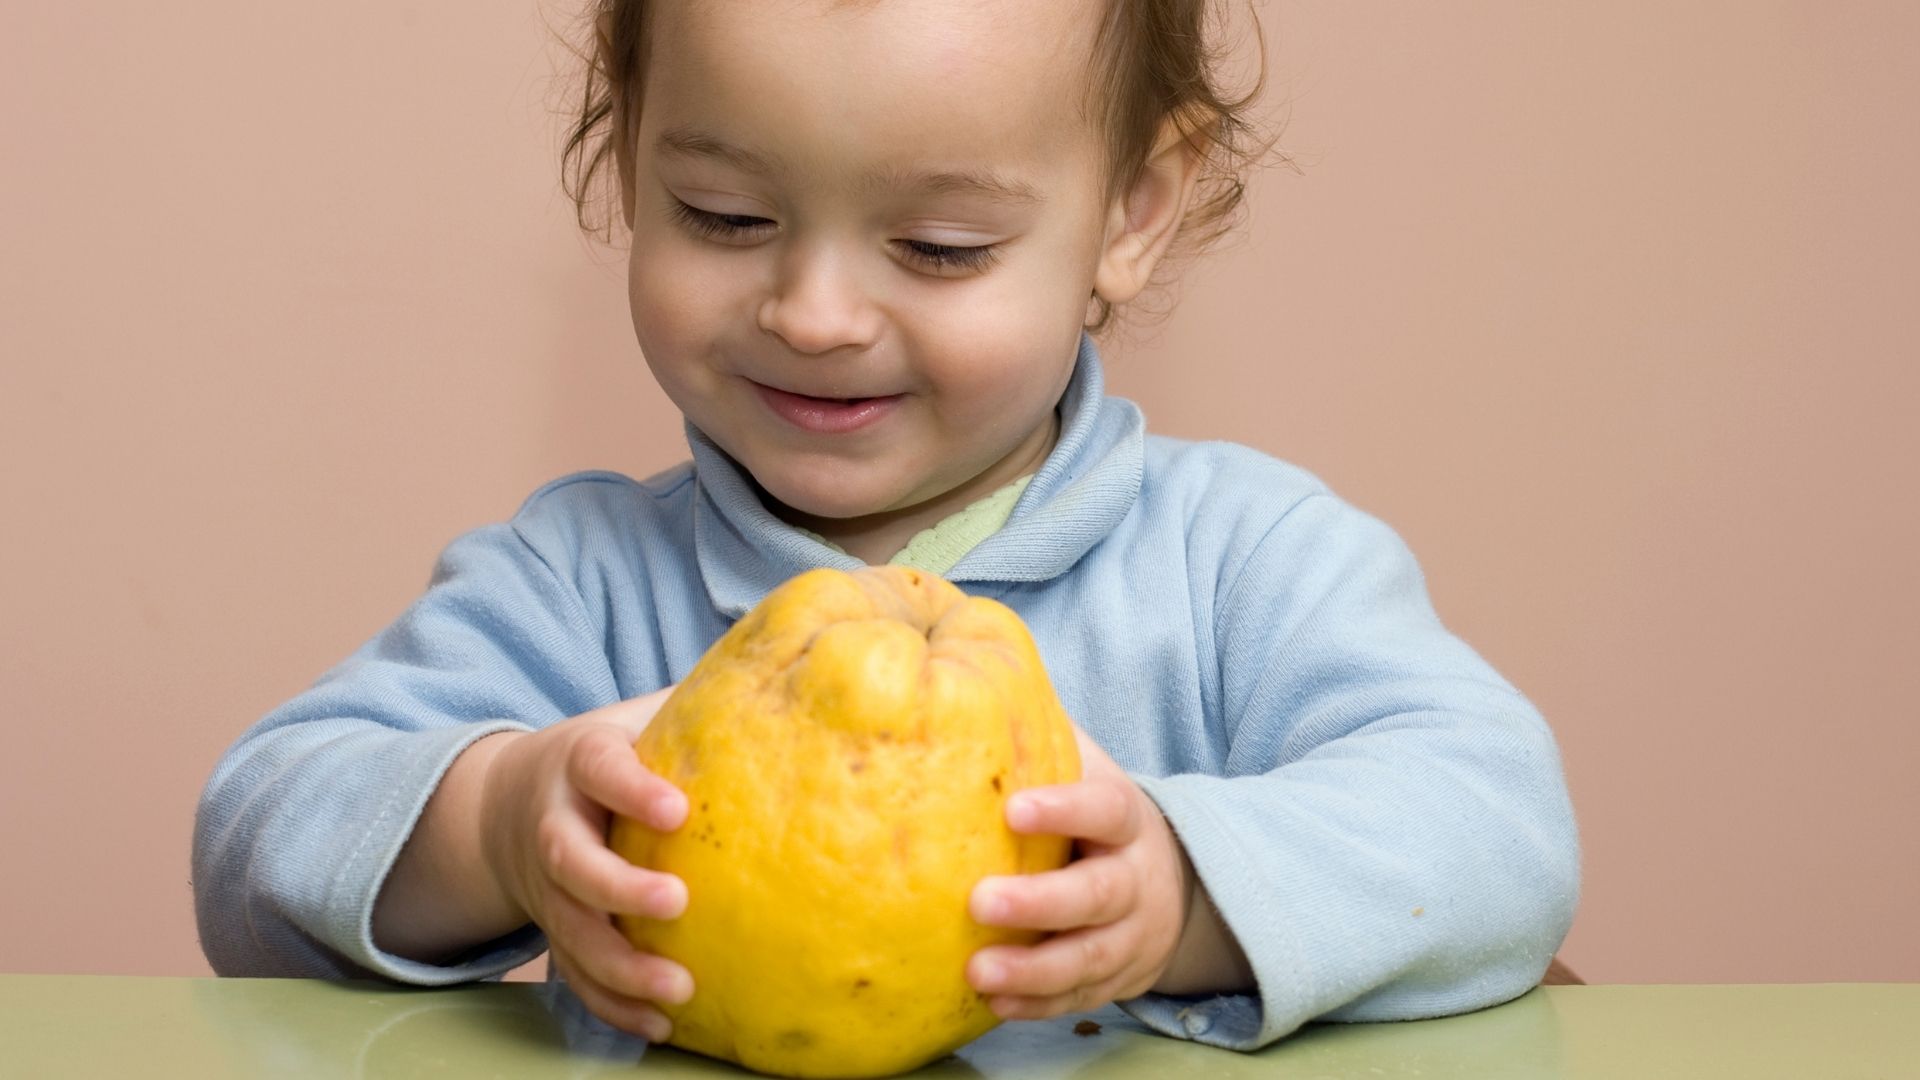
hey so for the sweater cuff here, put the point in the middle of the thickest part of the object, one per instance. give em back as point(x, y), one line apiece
point(426, 757)
point(1232, 1021)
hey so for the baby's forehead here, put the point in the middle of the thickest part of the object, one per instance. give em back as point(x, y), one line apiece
point(928, 78)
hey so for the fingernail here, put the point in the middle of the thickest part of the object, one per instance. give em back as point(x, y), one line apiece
point(1021, 812)
point(669, 810)
point(659, 1029)
point(990, 907)
point(671, 901)
point(987, 975)
point(676, 988)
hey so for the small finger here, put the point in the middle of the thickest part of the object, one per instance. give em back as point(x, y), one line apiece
point(609, 959)
point(1014, 1007)
point(1058, 965)
point(1091, 892)
point(580, 862)
point(1103, 812)
point(626, 1013)
point(601, 765)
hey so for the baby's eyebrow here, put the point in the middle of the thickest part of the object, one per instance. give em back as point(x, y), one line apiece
point(965, 182)
point(687, 142)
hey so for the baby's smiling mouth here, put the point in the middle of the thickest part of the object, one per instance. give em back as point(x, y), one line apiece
point(825, 415)
point(834, 399)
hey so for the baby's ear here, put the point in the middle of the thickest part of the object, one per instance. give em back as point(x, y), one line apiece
point(1144, 218)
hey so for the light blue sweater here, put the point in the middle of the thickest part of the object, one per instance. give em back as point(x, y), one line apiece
point(1379, 816)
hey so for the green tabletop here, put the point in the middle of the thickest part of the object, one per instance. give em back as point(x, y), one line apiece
point(111, 1026)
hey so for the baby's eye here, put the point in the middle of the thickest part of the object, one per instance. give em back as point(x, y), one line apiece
point(951, 257)
point(717, 226)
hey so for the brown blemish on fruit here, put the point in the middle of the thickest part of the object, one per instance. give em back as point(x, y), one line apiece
point(861, 984)
point(857, 765)
point(996, 783)
point(795, 1040)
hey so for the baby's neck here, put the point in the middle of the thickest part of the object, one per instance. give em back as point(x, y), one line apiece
point(874, 539)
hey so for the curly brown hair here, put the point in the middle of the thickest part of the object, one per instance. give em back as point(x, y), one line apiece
point(1154, 60)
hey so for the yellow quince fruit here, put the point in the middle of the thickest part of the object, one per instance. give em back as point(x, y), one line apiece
point(846, 750)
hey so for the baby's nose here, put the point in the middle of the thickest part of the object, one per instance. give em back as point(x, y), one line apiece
point(820, 304)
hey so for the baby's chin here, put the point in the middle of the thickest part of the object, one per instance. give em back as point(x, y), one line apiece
point(822, 502)
point(844, 495)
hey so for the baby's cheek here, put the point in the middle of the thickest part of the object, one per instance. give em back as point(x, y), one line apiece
point(671, 300)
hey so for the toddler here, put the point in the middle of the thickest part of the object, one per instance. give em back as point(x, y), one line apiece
point(869, 242)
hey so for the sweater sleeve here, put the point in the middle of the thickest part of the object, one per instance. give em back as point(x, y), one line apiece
point(1392, 836)
point(306, 813)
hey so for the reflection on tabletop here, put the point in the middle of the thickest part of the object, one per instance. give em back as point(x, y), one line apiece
point(543, 1030)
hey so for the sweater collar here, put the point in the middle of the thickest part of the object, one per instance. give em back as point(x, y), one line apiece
point(1080, 493)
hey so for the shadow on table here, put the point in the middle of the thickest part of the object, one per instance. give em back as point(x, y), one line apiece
point(1520, 1039)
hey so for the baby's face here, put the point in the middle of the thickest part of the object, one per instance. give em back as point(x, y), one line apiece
point(898, 202)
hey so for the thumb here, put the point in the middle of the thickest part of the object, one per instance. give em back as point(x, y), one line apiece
point(1093, 757)
point(634, 714)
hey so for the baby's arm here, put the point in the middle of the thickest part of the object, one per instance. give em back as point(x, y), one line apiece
point(1392, 837)
point(516, 833)
point(442, 897)
point(1206, 959)
point(307, 813)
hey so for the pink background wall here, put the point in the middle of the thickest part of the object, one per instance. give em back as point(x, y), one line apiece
point(1609, 309)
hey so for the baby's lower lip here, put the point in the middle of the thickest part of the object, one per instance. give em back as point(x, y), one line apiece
point(826, 416)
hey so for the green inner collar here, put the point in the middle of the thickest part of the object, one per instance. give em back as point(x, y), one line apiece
point(938, 548)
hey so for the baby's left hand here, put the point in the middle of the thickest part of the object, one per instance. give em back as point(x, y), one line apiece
point(1119, 908)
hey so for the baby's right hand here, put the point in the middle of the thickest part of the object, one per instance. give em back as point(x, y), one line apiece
point(544, 809)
